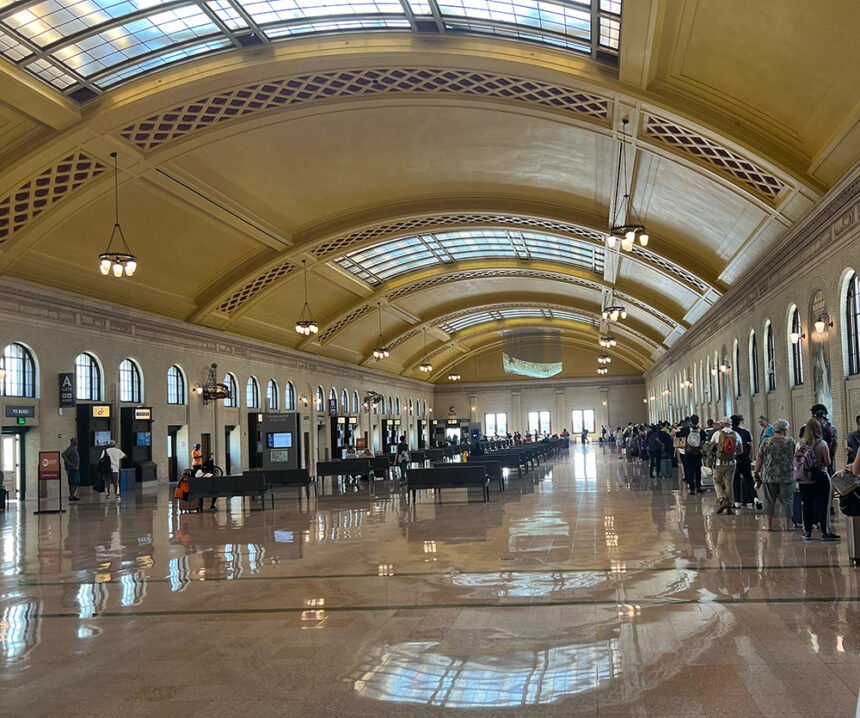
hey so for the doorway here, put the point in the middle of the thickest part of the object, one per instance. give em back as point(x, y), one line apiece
point(228, 450)
point(205, 445)
point(172, 453)
point(14, 462)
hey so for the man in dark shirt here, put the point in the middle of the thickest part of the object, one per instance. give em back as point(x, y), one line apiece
point(742, 482)
point(854, 441)
point(692, 454)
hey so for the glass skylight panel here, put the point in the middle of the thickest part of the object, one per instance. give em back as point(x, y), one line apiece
point(452, 326)
point(564, 18)
point(227, 14)
point(112, 47)
point(420, 7)
point(13, 49)
point(50, 21)
point(274, 11)
point(519, 34)
point(154, 63)
point(610, 32)
point(51, 74)
point(613, 6)
point(341, 25)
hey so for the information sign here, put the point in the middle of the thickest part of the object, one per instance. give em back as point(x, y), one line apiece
point(49, 470)
point(143, 414)
point(67, 389)
point(101, 411)
point(20, 411)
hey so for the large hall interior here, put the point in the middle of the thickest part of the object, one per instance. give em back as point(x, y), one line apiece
point(329, 329)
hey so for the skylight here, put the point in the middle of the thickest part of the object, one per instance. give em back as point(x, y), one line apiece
point(381, 262)
point(82, 47)
point(452, 326)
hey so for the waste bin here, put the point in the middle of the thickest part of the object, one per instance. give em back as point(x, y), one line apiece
point(127, 479)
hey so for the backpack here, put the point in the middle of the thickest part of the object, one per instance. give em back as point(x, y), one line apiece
point(105, 466)
point(804, 464)
point(694, 442)
point(727, 446)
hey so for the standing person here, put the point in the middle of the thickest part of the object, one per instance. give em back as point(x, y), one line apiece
point(767, 429)
point(774, 475)
point(852, 443)
point(114, 456)
point(726, 445)
point(403, 457)
point(584, 435)
point(565, 435)
point(742, 482)
point(619, 440)
point(72, 462)
point(667, 451)
point(655, 451)
point(828, 431)
point(811, 461)
point(196, 459)
point(691, 454)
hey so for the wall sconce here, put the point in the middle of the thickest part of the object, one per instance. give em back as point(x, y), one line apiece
point(725, 368)
point(822, 323)
point(197, 389)
point(644, 401)
point(795, 337)
point(303, 400)
point(687, 384)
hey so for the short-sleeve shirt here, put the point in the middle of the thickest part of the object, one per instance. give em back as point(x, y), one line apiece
point(777, 455)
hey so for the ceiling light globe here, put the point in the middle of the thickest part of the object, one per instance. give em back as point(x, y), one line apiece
point(610, 241)
point(643, 239)
point(130, 268)
point(624, 314)
point(795, 337)
point(117, 269)
point(104, 266)
point(819, 326)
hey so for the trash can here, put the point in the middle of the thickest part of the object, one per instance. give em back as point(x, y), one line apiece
point(127, 479)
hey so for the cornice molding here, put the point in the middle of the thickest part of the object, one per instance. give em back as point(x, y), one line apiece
point(25, 301)
point(541, 384)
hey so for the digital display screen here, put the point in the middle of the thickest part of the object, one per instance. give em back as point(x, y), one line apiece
point(279, 440)
point(101, 438)
point(143, 438)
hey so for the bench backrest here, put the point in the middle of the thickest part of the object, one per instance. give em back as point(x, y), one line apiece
point(493, 466)
point(449, 475)
point(282, 477)
point(343, 467)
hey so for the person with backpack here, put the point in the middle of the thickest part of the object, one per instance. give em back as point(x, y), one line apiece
point(725, 446)
point(691, 455)
point(774, 475)
point(811, 460)
point(403, 455)
point(742, 482)
point(109, 463)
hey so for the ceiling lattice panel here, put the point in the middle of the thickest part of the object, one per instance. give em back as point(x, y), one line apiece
point(27, 201)
point(253, 288)
point(206, 112)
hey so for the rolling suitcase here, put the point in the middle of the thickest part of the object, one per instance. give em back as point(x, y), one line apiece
point(666, 468)
point(796, 510)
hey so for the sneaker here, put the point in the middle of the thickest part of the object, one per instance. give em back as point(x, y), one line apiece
point(723, 507)
point(807, 536)
point(213, 508)
point(117, 498)
point(831, 537)
point(73, 498)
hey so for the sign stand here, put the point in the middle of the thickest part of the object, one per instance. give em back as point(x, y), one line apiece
point(49, 470)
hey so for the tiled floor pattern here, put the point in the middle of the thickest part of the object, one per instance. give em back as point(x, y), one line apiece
point(588, 590)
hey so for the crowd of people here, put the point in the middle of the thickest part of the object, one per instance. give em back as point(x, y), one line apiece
point(785, 479)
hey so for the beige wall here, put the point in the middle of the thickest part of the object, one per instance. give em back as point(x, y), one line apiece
point(623, 397)
point(821, 255)
point(57, 327)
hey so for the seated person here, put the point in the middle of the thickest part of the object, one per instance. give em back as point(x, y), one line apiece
point(350, 453)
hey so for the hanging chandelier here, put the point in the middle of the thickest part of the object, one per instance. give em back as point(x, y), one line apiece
point(454, 375)
point(425, 366)
point(625, 228)
point(602, 370)
point(614, 312)
point(607, 341)
point(305, 325)
point(117, 260)
point(381, 351)
point(604, 359)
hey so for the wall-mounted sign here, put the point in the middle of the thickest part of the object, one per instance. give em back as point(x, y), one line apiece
point(397, 422)
point(353, 420)
point(101, 411)
point(341, 420)
point(20, 411)
point(67, 389)
point(141, 414)
point(332, 407)
point(453, 422)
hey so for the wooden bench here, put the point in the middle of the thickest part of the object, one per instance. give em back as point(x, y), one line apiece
point(492, 464)
point(287, 477)
point(216, 487)
point(452, 476)
point(344, 467)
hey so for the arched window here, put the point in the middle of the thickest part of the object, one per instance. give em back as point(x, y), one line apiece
point(20, 368)
point(319, 399)
point(796, 348)
point(344, 402)
point(88, 378)
point(737, 369)
point(252, 393)
point(754, 387)
point(176, 386)
point(390, 405)
point(382, 405)
point(852, 323)
point(332, 400)
point(130, 382)
point(230, 382)
point(290, 397)
point(397, 401)
point(355, 402)
point(273, 396)
point(718, 377)
point(410, 407)
point(770, 357)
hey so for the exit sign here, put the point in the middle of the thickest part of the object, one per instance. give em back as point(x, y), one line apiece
point(22, 420)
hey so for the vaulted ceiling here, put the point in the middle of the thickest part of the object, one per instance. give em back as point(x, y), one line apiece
point(457, 179)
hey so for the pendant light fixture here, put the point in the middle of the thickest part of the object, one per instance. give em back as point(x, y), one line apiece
point(117, 260)
point(625, 228)
point(613, 312)
point(306, 324)
point(454, 375)
point(602, 370)
point(381, 352)
point(604, 359)
point(425, 367)
point(607, 341)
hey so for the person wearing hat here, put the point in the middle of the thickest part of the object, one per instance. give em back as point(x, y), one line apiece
point(766, 429)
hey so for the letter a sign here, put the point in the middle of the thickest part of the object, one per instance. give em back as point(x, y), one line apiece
point(67, 390)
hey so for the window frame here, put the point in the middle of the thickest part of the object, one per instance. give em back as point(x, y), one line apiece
point(496, 423)
point(94, 380)
point(755, 385)
point(770, 355)
point(231, 402)
point(796, 350)
point(177, 386)
point(541, 415)
point(252, 393)
point(130, 382)
point(852, 324)
point(23, 373)
point(290, 397)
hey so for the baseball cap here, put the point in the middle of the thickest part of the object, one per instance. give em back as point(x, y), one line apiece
point(818, 410)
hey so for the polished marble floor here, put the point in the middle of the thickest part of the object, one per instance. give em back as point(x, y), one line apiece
point(587, 590)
